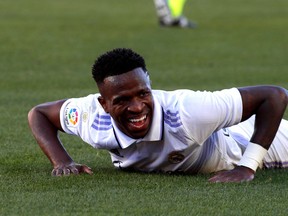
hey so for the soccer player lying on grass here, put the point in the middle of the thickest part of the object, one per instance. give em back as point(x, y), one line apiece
point(225, 132)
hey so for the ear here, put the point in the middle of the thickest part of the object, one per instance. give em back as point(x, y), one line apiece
point(102, 101)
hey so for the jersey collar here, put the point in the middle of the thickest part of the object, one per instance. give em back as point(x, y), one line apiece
point(155, 133)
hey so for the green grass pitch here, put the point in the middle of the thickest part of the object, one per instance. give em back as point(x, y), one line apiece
point(46, 52)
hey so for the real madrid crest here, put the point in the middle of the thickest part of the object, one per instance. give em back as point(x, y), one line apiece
point(175, 157)
point(85, 117)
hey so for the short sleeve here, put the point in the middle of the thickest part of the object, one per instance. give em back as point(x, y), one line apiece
point(70, 115)
point(203, 113)
point(76, 115)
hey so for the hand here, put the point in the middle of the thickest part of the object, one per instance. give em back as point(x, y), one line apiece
point(72, 168)
point(238, 174)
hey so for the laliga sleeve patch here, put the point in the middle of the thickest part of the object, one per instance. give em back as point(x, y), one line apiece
point(71, 116)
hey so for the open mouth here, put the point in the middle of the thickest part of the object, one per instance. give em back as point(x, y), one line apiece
point(138, 122)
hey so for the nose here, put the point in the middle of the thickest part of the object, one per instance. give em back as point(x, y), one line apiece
point(135, 106)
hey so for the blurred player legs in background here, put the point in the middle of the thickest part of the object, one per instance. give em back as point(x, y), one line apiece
point(169, 13)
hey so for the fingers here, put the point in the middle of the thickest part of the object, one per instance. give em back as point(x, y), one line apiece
point(57, 172)
point(224, 179)
point(60, 171)
point(53, 173)
point(72, 169)
point(87, 169)
point(66, 171)
point(231, 176)
point(221, 177)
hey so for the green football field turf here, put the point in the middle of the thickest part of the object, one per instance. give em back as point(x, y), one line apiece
point(46, 52)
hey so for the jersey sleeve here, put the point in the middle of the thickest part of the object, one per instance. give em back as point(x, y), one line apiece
point(70, 115)
point(203, 113)
point(75, 114)
point(86, 118)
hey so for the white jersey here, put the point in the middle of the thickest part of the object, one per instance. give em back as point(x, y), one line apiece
point(186, 135)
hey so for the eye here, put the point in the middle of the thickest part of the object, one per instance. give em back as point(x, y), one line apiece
point(120, 100)
point(144, 93)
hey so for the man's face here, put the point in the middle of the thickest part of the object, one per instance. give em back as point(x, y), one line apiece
point(128, 99)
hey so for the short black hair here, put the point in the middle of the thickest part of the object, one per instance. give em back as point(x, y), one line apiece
point(116, 62)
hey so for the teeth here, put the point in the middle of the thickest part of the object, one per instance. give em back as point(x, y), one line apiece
point(138, 120)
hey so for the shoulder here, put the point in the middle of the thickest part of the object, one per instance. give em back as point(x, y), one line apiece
point(196, 102)
point(75, 109)
point(166, 98)
point(87, 102)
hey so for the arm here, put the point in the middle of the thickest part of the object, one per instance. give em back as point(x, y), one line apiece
point(269, 104)
point(44, 122)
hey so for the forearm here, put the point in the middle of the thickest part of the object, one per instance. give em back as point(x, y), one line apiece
point(46, 135)
point(269, 104)
point(267, 121)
